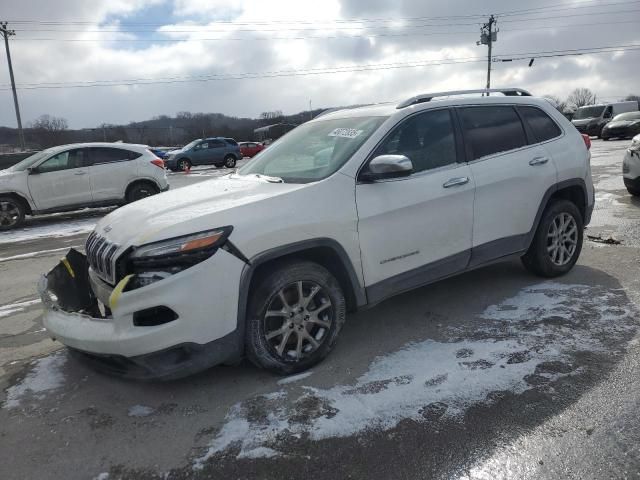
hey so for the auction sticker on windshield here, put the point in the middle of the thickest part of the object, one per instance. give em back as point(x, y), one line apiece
point(345, 132)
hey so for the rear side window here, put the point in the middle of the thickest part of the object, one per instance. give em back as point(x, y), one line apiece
point(542, 126)
point(111, 155)
point(231, 141)
point(492, 129)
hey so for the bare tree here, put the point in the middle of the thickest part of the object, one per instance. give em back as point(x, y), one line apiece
point(632, 97)
point(581, 97)
point(49, 130)
point(561, 105)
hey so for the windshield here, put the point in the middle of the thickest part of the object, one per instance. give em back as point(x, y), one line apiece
point(189, 146)
point(314, 150)
point(588, 112)
point(629, 116)
point(31, 160)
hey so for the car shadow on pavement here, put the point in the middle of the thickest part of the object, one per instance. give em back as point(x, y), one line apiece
point(424, 385)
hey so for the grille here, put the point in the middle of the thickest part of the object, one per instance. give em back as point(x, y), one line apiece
point(101, 257)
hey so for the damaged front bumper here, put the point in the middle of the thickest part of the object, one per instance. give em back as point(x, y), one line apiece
point(105, 335)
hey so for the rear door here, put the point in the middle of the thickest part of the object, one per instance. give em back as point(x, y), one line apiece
point(61, 181)
point(417, 228)
point(217, 150)
point(512, 173)
point(111, 171)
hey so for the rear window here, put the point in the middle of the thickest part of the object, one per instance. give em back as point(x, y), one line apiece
point(492, 129)
point(542, 126)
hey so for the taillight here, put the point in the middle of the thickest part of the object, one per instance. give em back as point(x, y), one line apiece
point(587, 141)
point(158, 163)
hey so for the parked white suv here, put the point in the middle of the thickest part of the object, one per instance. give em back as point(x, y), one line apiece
point(80, 175)
point(631, 167)
point(342, 212)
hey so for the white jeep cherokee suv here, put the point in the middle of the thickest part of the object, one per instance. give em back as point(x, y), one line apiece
point(344, 211)
point(69, 177)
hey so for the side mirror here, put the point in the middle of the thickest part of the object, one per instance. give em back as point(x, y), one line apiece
point(33, 170)
point(384, 167)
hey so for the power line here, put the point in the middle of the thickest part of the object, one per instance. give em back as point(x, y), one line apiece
point(321, 71)
point(208, 29)
point(355, 36)
point(546, 8)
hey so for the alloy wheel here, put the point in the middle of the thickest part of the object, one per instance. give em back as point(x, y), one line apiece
point(9, 214)
point(298, 319)
point(562, 239)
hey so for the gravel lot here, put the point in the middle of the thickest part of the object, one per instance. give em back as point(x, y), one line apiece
point(492, 374)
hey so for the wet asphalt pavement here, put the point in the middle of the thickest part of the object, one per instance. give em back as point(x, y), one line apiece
point(492, 374)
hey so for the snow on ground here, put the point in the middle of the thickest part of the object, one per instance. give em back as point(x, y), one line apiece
point(45, 376)
point(140, 411)
point(6, 310)
point(65, 228)
point(295, 378)
point(36, 254)
point(526, 340)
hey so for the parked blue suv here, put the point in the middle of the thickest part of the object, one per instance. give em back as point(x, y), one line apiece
point(218, 151)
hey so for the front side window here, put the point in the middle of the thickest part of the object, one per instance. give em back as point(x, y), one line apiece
point(542, 126)
point(313, 151)
point(427, 139)
point(492, 129)
point(109, 155)
point(63, 161)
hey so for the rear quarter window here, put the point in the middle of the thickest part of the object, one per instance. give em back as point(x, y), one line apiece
point(541, 124)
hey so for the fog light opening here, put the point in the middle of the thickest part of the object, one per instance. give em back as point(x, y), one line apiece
point(152, 317)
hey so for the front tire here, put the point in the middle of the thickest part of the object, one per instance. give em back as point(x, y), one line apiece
point(11, 213)
point(230, 161)
point(295, 314)
point(557, 242)
point(184, 164)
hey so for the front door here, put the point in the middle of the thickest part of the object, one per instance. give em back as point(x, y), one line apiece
point(418, 228)
point(62, 180)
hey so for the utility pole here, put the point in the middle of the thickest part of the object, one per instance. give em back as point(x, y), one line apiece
point(488, 35)
point(6, 34)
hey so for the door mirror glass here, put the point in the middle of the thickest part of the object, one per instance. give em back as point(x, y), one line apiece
point(33, 170)
point(387, 166)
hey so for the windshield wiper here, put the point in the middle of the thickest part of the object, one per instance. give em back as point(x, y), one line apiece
point(259, 176)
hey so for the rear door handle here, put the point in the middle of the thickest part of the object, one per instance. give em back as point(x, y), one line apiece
point(454, 182)
point(538, 161)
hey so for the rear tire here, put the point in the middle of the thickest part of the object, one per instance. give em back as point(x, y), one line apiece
point(289, 331)
point(557, 242)
point(141, 190)
point(635, 191)
point(12, 213)
point(230, 161)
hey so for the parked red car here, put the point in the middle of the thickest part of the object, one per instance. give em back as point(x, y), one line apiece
point(249, 149)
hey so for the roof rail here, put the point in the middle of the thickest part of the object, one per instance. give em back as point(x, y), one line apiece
point(427, 97)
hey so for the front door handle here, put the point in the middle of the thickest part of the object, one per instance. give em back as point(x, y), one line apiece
point(454, 182)
point(538, 161)
point(80, 173)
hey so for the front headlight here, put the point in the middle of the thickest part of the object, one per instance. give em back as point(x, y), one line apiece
point(176, 254)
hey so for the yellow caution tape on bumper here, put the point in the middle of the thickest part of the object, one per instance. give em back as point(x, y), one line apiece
point(66, 263)
point(115, 295)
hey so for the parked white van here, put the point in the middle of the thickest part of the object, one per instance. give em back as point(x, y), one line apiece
point(591, 119)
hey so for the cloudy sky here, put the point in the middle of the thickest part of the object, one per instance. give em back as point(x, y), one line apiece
point(242, 57)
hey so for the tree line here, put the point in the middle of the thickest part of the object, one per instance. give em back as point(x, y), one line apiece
point(163, 130)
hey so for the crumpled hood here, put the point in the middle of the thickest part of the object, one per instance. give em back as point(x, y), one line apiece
point(183, 211)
